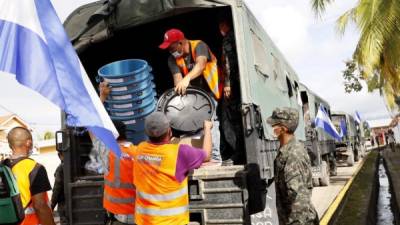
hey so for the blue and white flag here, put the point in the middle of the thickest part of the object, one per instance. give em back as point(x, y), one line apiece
point(323, 121)
point(35, 48)
point(357, 117)
point(343, 127)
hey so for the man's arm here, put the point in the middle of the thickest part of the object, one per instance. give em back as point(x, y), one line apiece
point(190, 158)
point(197, 70)
point(177, 78)
point(42, 209)
point(207, 142)
point(104, 91)
point(227, 77)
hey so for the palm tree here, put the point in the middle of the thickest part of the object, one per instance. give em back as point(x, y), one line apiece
point(377, 53)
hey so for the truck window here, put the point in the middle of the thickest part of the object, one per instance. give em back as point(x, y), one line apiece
point(278, 76)
point(289, 86)
point(260, 56)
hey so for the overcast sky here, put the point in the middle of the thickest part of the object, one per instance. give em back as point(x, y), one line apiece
point(311, 45)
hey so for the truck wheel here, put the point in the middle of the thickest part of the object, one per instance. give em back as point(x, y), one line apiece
point(356, 154)
point(350, 159)
point(324, 180)
point(333, 166)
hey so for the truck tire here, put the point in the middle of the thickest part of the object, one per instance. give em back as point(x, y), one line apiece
point(324, 180)
point(350, 159)
point(315, 182)
point(363, 150)
point(356, 154)
point(332, 166)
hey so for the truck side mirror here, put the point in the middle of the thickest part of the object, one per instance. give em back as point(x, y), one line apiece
point(62, 141)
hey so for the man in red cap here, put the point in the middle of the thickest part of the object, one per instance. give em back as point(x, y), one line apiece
point(192, 62)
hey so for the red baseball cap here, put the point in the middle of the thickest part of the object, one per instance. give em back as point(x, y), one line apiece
point(171, 36)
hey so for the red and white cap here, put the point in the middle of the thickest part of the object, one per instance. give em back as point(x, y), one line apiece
point(171, 36)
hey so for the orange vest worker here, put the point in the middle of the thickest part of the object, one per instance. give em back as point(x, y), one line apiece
point(161, 199)
point(119, 191)
point(210, 72)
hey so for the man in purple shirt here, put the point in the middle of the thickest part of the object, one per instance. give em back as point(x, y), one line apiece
point(157, 127)
point(161, 169)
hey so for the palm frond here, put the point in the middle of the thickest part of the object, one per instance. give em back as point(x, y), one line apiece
point(376, 21)
point(319, 6)
point(345, 19)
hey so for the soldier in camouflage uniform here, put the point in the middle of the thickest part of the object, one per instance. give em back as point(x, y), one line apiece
point(292, 168)
point(232, 138)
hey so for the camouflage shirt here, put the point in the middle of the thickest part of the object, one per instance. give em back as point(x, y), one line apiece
point(293, 180)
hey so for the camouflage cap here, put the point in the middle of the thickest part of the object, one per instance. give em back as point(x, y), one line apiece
point(288, 117)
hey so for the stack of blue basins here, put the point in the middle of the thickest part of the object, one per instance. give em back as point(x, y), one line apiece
point(132, 95)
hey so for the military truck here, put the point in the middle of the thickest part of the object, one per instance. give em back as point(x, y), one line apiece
point(320, 145)
point(349, 147)
point(106, 31)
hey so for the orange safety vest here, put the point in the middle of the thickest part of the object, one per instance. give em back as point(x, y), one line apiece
point(119, 191)
point(21, 170)
point(161, 199)
point(210, 72)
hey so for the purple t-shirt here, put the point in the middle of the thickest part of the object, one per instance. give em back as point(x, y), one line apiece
point(189, 158)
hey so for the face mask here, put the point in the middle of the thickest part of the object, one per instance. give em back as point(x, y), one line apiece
point(223, 33)
point(176, 54)
point(276, 132)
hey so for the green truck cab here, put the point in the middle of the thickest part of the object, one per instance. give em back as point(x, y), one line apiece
point(349, 148)
point(320, 145)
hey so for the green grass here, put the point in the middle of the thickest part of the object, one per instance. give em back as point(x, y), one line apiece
point(357, 202)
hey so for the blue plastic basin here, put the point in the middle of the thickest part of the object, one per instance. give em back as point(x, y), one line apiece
point(133, 114)
point(124, 72)
point(128, 98)
point(131, 88)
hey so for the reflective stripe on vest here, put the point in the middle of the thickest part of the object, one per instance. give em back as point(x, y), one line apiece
point(163, 197)
point(119, 191)
point(210, 73)
point(162, 212)
point(29, 210)
point(116, 183)
point(119, 200)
